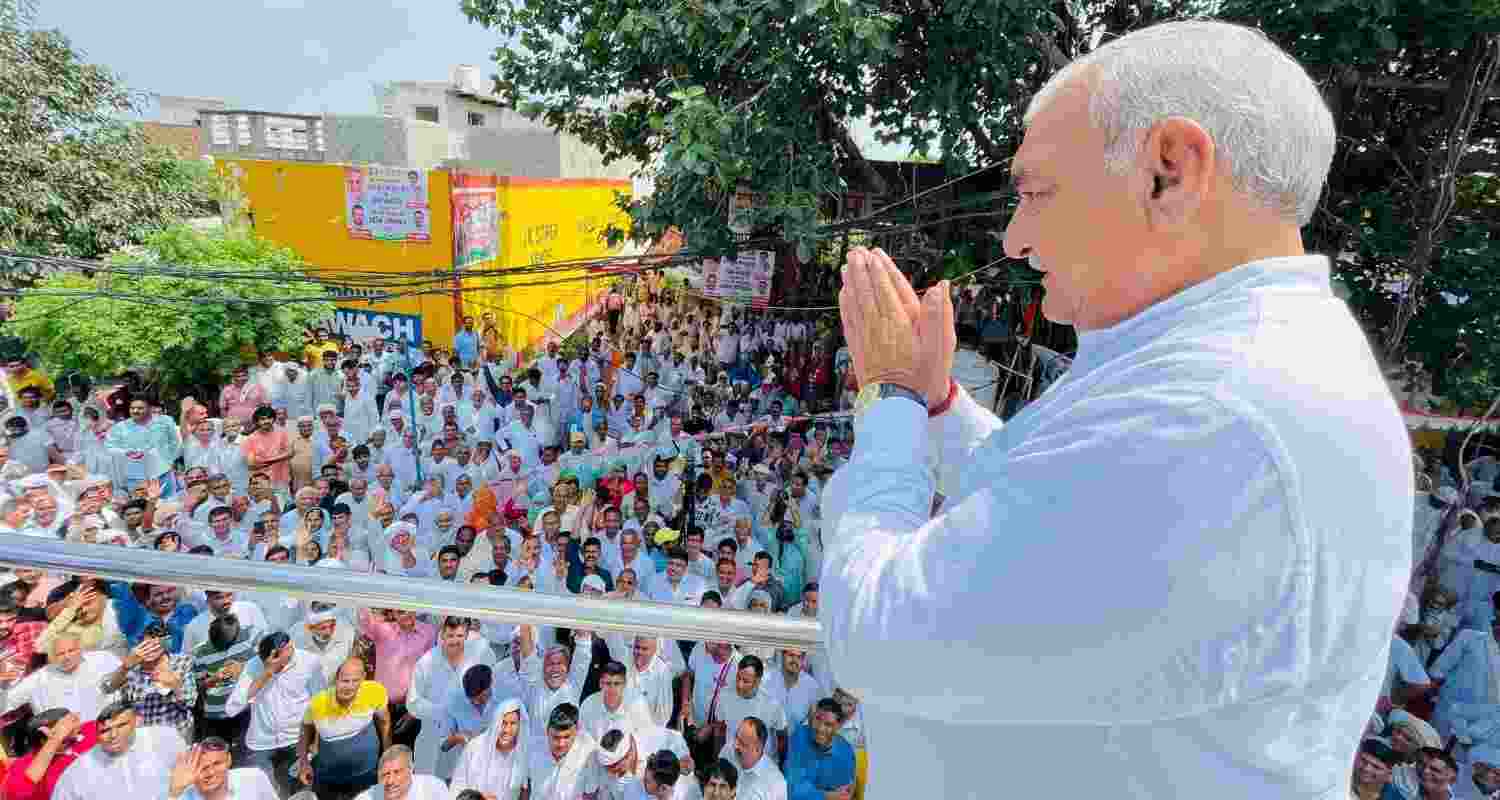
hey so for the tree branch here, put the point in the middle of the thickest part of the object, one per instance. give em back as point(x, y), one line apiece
point(986, 144)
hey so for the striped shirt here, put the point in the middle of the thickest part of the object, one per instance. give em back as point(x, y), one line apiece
point(208, 660)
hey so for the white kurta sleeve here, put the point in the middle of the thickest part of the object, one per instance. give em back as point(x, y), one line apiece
point(1128, 634)
point(958, 434)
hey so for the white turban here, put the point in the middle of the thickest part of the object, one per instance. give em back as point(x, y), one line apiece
point(611, 757)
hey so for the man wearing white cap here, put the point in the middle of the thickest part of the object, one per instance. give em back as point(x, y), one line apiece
point(632, 763)
point(494, 763)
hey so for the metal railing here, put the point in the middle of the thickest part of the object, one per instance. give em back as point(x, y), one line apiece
point(501, 604)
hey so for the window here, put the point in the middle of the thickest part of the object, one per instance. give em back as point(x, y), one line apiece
point(476, 120)
point(425, 113)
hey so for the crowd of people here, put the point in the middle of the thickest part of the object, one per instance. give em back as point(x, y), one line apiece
point(1435, 732)
point(669, 456)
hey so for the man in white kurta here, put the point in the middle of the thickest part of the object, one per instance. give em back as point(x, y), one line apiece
point(1224, 420)
point(438, 673)
point(611, 707)
point(73, 679)
point(562, 766)
point(129, 761)
point(1470, 673)
point(652, 665)
point(550, 679)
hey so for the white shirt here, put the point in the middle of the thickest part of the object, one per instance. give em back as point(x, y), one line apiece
point(246, 612)
point(653, 686)
point(143, 771)
point(276, 712)
point(1228, 438)
point(795, 701)
point(596, 720)
point(762, 705)
point(647, 742)
point(577, 774)
point(78, 692)
point(688, 592)
point(708, 676)
point(765, 782)
point(433, 682)
point(245, 783)
point(423, 787)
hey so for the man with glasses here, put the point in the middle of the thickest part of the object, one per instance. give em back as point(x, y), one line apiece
point(203, 773)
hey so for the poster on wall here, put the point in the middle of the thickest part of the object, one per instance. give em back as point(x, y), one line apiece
point(743, 280)
point(387, 204)
point(476, 219)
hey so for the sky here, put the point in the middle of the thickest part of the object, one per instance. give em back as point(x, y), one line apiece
point(295, 56)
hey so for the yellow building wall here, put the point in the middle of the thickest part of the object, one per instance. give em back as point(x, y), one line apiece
point(301, 206)
point(543, 221)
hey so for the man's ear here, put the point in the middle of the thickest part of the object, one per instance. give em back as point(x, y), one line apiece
point(1180, 158)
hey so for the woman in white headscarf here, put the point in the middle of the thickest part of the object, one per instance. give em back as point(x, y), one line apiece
point(402, 556)
point(494, 763)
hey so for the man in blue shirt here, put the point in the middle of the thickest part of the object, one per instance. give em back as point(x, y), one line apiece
point(466, 344)
point(161, 606)
point(819, 762)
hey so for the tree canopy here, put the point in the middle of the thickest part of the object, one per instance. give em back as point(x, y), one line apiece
point(75, 178)
point(1409, 214)
point(718, 96)
point(190, 304)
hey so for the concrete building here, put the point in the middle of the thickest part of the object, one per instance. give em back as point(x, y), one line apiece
point(456, 123)
point(459, 122)
point(173, 122)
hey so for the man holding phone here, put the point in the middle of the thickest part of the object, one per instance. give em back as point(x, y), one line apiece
point(156, 684)
point(217, 664)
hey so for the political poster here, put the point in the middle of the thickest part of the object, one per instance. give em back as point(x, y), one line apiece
point(476, 219)
point(743, 280)
point(387, 204)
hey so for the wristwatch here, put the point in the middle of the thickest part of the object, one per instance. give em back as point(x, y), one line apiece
point(873, 392)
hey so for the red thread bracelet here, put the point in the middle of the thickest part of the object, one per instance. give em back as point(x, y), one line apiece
point(942, 408)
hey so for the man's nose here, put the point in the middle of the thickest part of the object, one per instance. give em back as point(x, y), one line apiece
point(1018, 237)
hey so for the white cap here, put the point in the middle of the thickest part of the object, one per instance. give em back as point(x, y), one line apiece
point(611, 757)
point(593, 582)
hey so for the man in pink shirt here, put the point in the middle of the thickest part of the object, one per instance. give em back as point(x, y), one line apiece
point(241, 397)
point(267, 448)
point(399, 643)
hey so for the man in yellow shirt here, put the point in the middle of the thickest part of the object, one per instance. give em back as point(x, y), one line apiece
point(19, 375)
point(349, 726)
